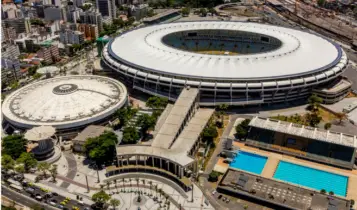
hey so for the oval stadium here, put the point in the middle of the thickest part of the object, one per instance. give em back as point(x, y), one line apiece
point(235, 63)
point(67, 103)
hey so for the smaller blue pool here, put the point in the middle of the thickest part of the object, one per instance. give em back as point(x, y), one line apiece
point(311, 178)
point(249, 162)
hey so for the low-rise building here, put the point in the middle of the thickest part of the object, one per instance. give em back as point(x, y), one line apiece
point(91, 131)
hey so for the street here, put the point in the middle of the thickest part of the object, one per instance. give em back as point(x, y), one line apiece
point(24, 200)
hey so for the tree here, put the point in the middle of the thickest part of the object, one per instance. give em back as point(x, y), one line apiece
point(14, 145)
point(125, 114)
point(37, 76)
point(313, 119)
point(146, 122)
point(241, 132)
point(203, 12)
point(43, 166)
point(101, 149)
point(7, 162)
point(314, 101)
point(53, 172)
point(242, 129)
point(130, 21)
point(213, 176)
point(156, 102)
point(28, 160)
point(209, 133)
point(327, 126)
point(114, 202)
point(130, 135)
point(185, 11)
point(151, 13)
point(100, 198)
point(321, 3)
point(341, 116)
point(20, 169)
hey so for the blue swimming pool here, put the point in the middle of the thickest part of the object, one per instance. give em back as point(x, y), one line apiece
point(311, 177)
point(249, 162)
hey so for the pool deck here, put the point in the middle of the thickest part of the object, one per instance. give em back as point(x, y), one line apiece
point(274, 158)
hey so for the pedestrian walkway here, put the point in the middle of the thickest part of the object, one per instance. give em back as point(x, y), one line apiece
point(270, 167)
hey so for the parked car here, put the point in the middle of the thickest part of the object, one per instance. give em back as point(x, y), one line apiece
point(30, 190)
point(220, 196)
point(214, 192)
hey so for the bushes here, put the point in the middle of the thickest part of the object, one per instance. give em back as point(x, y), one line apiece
point(327, 126)
point(213, 176)
point(242, 129)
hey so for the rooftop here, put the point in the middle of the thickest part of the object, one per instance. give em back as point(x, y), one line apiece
point(295, 57)
point(305, 131)
point(91, 131)
point(64, 102)
point(279, 193)
point(168, 132)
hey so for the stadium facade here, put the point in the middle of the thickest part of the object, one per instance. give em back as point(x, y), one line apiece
point(234, 63)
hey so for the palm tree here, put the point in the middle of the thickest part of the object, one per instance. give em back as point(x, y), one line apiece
point(156, 190)
point(341, 116)
point(114, 202)
point(116, 187)
point(159, 191)
point(44, 166)
point(143, 183)
point(150, 183)
point(137, 183)
point(108, 185)
point(123, 181)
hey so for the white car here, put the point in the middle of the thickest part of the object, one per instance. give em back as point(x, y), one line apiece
point(214, 192)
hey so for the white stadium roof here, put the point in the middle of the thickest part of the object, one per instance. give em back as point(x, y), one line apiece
point(301, 53)
point(64, 102)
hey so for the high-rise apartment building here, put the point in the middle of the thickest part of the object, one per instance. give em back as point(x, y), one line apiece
point(53, 13)
point(90, 31)
point(91, 17)
point(10, 51)
point(107, 8)
point(49, 54)
point(21, 25)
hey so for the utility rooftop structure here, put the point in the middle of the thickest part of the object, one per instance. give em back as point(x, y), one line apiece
point(234, 63)
point(303, 141)
point(67, 103)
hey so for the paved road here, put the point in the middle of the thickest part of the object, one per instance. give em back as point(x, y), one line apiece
point(72, 169)
point(21, 199)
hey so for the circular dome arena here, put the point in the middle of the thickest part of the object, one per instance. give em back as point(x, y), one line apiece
point(66, 103)
point(230, 62)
